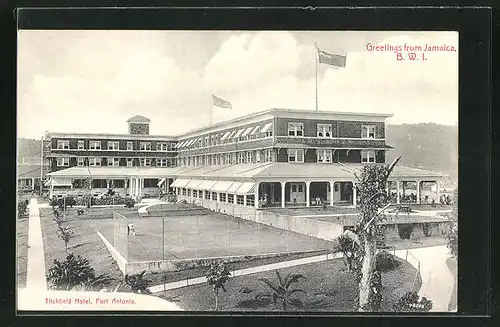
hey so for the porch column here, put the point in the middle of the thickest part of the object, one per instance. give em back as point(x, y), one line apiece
point(256, 195)
point(418, 192)
point(438, 195)
point(33, 183)
point(227, 197)
point(167, 185)
point(398, 198)
point(332, 184)
point(354, 194)
point(308, 191)
point(283, 184)
point(108, 183)
point(244, 199)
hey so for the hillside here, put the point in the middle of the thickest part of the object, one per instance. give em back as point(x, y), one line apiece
point(28, 151)
point(427, 146)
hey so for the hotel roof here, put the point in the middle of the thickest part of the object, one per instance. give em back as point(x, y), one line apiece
point(249, 171)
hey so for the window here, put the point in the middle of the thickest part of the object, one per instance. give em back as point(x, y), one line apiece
point(269, 133)
point(145, 146)
point(63, 145)
point(295, 129)
point(368, 156)
point(250, 200)
point(81, 145)
point(234, 159)
point(200, 143)
point(94, 161)
point(214, 196)
point(269, 155)
point(257, 156)
point(200, 194)
point(130, 146)
point(295, 155)
point(250, 157)
point(161, 147)
point(207, 195)
point(189, 192)
point(183, 191)
point(324, 156)
point(95, 145)
point(63, 162)
point(113, 162)
point(368, 131)
point(227, 159)
point(80, 161)
point(130, 162)
point(114, 145)
point(145, 162)
point(230, 198)
point(206, 141)
point(195, 193)
point(162, 162)
point(324, 130)
point(240, 199)
point(241, 157)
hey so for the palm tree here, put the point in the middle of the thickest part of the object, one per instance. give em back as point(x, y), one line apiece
point(349, 245)
point(282, 291)
point(136, 283)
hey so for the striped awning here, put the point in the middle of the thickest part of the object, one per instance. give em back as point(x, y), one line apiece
point(193, 184)
point(160, 183)
point(238, 133)
point(247, 131)
point(234, 187)
point(221, 186)
point(255, 130)
point(246, 188)
point(266, 127)
point(180, 182)
point(225, 136)
point(61, 181)
point(206, 185)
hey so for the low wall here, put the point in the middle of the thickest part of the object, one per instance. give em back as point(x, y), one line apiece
point(320, 229)
point(120, 260)
point(183, 264)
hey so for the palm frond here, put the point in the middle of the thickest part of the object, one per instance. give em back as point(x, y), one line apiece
point(294, 279)
point(297, 291)
point(279, 278)
point(392, 165)
point(269, 284)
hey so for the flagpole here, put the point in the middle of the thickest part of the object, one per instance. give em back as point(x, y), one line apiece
point(211, 109)
point(316, 45)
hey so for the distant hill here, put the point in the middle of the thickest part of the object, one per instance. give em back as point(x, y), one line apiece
point(427, 146)
point(28, 151)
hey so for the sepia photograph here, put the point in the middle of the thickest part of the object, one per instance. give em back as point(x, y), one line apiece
point(237, 171)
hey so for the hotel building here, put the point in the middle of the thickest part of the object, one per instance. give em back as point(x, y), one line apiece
point(278, 157)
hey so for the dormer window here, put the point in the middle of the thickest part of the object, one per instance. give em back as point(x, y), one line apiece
point(368, 131)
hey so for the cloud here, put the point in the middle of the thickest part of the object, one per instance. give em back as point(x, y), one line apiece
point(99, 90)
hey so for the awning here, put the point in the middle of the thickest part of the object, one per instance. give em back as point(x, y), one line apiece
point(47, 182)
point(225, 136)
point(191, 142)
point(206, 185)
point(193, 184)
point(160, 183)
point(221, 186)
point(245, 133)
point(246, 188)
point(234, 187)
point(231, 134)
point(255, 130)
point(238, 133)
point(61, 181)
point(266, 127)
point(176, 145)
point(180, 183)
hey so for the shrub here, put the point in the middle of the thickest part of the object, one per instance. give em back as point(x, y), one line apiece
point(410, 302)
point(79, 212)
point(53, 202)
point(217, 275)
point(75, 272)
point(405, 230)
point(129, 203)
point(137, 283)
point(384, 262)
point(426, 228)
point(22, 207)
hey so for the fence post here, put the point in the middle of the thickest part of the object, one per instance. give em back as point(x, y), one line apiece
point(406, 256)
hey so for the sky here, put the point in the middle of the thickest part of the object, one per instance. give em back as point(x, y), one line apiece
point(91, 81)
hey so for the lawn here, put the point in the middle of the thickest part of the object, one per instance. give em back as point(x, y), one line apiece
point(452, 265)
point(93, 213)
point(329, 286)
point(176, 209)
point(22, 225)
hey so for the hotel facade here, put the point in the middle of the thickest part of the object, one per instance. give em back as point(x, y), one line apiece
point(275, 158)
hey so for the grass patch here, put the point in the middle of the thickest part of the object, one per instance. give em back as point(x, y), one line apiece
point(176, 209)
point(452, 266)
point(85, 243)
point(329, 286)
point(94, 213)
point(22, 226)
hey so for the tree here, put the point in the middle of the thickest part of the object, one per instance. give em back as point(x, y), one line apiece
point(452, 236)
point(137, 283)
point(371, 184)
point(22, 207)
point(282, 289)
point(75, 272)
point(217, 275)
point(65, 234)
point(348, 245)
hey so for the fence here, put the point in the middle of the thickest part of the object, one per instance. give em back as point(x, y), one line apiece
point(121, 234)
